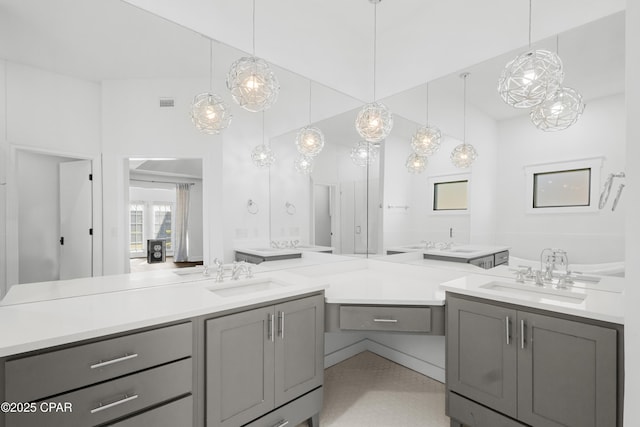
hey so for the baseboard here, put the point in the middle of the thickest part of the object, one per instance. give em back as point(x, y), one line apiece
point(344, 353)
point(407, 360)
point(194, 258)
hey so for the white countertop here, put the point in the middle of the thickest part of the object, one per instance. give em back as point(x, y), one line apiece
point(37, 325)
point(267, 252)
point(462, 251)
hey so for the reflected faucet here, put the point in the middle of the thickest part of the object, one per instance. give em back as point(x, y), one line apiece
point(550, 259)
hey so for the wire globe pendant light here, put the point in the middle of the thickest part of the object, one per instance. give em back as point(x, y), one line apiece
point(303, 164)
point(559, 112)
point(209, 113)
point(531, 77)
point(252, 83)
point(364, 153)
point(426, 139)
point(374, 121)
point(309, 139)
point(416, 163)
point(464, 154)
point(262, 156)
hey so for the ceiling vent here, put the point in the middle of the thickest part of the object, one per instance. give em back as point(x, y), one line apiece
point(167, 103)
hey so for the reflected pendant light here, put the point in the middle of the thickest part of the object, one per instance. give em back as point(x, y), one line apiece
point(209, 113)
point(426, 140)
point(559, 112)
point(262, 156)
point(531, 77)
point(374, 121)
point(252, 83)
point(364, 153)
point(309, 139)
point(464, 154)
point(416, 163)
point(303, 164)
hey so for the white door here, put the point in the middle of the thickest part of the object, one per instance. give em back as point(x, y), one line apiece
point(322, 215)
point(76, 220)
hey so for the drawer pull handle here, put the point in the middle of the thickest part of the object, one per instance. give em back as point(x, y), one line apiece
point(281, 423)
point(125, 399)
point(386, 320)
point(270, 327)
point(281, 325)
point(508, 332)
point(522, 330)
point(112, 361)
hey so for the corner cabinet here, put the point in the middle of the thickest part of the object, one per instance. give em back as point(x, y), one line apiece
point(514, 366)
point(265, 366)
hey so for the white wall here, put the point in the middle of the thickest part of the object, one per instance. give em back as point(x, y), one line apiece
point(588, 237)
point(632, 231)
point(4, 163)
point(53, 114)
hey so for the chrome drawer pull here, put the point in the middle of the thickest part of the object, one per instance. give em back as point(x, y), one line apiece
point(270, 327)
point(281, 325)
point(522, 328)
point(125, 399)
point(281, 423)
point(385, 320)
point(508, 332)
point(112, 361)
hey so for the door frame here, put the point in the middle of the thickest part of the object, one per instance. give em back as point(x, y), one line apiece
point(334, 202)
point(12, 215)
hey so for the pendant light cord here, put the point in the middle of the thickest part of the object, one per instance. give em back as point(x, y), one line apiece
point(309, 102)
point(253, 52)
point(263, 128)
point(558, 44)
point(529, 23)
point(464, 111)
point(375, 45)
point(427, 123)
point(210, 66)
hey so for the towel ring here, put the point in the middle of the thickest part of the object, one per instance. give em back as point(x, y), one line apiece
point(252, 207)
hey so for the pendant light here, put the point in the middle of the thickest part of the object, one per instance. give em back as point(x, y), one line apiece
point(364, 153)
point(531, 77)
point(252, 83)
point(374, 121)
point(464, 154)
point(209, 113)
point(426, 140)
point(560, 111)
point(262, 156)
point(309, 139)
point(303, 164)
point(416, 163)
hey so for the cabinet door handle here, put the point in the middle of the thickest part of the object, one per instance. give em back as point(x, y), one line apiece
point(125, 399)
point(270, 327)
point(508, 331)
point(522, 328)
point(385, 320)
point(112, 361)
point(281, 324)
point(281, 423)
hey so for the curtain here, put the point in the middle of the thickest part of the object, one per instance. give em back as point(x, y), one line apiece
point(180, 252)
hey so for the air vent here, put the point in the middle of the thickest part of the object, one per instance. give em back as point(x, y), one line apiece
point(167, 103)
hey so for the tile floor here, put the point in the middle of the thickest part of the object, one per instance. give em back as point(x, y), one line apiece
point(369, 390)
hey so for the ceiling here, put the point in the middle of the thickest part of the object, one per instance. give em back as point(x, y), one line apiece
point(329, 41)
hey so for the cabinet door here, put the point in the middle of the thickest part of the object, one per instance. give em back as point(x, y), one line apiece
point(239, 366)
point(566, 373)
point(299, 347)
point(481, 353)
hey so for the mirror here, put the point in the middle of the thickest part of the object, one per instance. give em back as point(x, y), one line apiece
point(508, 143)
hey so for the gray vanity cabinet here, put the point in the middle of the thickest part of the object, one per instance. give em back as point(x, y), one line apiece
point(262, 359)
point(540, 369)
point(482, 354)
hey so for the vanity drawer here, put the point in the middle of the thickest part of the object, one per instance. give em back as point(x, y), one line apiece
point(107, 401)
point(178, 413)
point(501, 258)
point(35, 377)
point(385, 318)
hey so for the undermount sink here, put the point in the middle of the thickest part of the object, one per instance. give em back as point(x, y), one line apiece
point(246, 287)
point(559, 295)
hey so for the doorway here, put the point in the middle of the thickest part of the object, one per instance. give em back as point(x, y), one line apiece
point(164, 205)
point(55, 217)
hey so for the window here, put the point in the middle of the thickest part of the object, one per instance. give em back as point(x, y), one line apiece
point(162, 223)
point(562, 188)
point(450, 196)
point(136, 213)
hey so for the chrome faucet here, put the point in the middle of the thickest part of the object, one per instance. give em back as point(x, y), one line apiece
point(551, 259)
point(241, 267)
